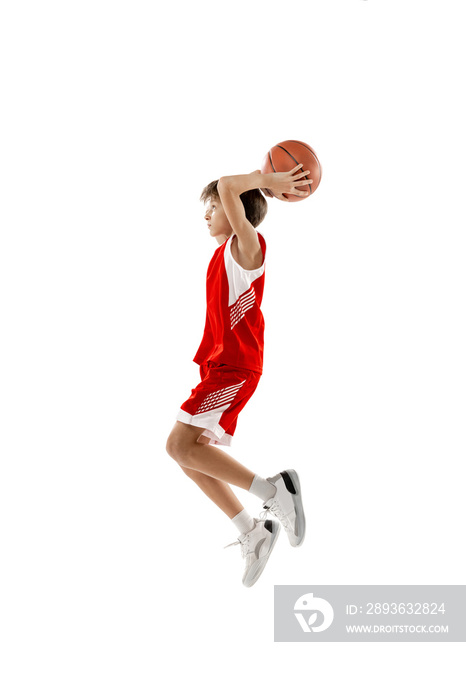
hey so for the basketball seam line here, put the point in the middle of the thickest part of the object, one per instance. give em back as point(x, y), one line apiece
point(310, 151)
point(291, 156)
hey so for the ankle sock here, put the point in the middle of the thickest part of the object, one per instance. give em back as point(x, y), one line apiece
point(243, 521)
point(262, 488)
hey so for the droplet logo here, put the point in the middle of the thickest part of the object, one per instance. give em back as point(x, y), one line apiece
point(312, 605)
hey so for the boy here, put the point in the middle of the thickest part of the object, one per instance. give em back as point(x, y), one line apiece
point(230, 359)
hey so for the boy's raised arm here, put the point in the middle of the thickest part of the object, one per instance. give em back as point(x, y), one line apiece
point(231, 187)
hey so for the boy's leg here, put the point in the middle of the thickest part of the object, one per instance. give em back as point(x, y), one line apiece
point(222, 495)
point(218, 491)
point(187, 446)
point(257, 537)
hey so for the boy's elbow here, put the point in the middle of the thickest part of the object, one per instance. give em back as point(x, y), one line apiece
point(225, 183)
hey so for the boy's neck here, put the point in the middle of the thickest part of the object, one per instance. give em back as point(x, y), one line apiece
point(222, 238)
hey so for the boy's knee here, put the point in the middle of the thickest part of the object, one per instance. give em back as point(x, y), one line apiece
point(173, 446)
point(178, 445)
point(184, 442)
point(177, 451)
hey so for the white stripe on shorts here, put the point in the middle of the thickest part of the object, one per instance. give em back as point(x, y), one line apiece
point(222, 398)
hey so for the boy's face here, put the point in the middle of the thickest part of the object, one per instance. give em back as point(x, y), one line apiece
point(217, 221)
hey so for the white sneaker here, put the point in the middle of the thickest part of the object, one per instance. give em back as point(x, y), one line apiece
point(256, 547)
point(287, 505)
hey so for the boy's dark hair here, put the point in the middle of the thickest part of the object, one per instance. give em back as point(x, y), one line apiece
point(254, 202)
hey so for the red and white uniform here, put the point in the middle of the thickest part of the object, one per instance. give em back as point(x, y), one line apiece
point(231, 351)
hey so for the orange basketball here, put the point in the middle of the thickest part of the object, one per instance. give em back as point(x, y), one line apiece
point(288, 154)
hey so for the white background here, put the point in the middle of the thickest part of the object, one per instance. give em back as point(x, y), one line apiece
point(114, 117)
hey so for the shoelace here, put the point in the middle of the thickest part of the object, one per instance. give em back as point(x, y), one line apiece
point(245, 543)
point(277, 511)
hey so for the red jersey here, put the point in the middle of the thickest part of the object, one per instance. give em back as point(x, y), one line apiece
point(234, 327)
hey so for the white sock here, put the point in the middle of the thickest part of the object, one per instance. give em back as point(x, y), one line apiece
point(262, 488)
point(243, 521)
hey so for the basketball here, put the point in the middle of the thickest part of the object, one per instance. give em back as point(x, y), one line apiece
point(285, 156)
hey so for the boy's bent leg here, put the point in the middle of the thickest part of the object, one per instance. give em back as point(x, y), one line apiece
point(187, 447)
point(212, 470)
point(218, 491)
point(284, 500)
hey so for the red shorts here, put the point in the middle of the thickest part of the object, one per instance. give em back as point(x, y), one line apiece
point(217, 401)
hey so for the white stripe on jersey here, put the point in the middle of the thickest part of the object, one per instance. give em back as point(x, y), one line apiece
point(244, 303)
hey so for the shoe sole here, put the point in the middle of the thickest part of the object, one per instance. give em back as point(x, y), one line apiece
point(258, 567)
point(298, 504)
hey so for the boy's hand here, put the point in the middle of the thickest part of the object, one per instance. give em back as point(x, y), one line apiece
point(287, 183)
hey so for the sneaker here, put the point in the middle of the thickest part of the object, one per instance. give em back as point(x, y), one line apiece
point(256, 547)
point(287, 505)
